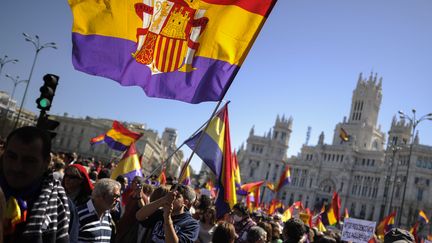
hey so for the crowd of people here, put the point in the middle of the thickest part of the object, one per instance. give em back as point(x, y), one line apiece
point(56, 197)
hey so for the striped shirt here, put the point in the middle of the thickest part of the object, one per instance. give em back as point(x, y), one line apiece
point(48, 219)
point(93, 228)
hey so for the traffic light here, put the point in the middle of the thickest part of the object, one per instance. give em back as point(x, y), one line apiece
point(47, 90)
point(45, 123)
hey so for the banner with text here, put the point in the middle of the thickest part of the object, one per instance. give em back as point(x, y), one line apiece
point(357, 230)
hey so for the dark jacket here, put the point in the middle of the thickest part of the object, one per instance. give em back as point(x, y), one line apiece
point(186, 228)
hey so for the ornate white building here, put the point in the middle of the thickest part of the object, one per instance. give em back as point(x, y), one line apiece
point(361, 170)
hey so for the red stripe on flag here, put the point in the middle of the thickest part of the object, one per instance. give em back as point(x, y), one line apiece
point(171, 55)
point(165, 56)
point(227, 159)
point(159, 48)
point(117, 126)
point(261, 7)
point(179, 52)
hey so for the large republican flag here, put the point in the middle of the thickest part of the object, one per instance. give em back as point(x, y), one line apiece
point(215, 151)
point(188, 50)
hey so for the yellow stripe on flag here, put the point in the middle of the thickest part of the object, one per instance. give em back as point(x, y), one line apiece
point(216, 131)
point(331, 217)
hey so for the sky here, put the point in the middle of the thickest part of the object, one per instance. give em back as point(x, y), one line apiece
point(305, 63)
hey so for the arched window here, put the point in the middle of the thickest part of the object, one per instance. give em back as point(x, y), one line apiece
point(328, 186)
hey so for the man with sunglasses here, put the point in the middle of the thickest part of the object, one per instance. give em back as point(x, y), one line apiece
point(95, 221)
point(170, 217)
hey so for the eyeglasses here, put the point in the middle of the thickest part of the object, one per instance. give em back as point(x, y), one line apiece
point(73, 177)
point(116, 196)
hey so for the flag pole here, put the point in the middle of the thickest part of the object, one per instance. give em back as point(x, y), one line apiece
point(205, 124)
point(165, 161)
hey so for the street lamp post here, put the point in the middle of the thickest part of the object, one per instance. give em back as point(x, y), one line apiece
point(38, 47)
point(414, 121)
point(5, 60)
point(15, 81)
point(394, 148)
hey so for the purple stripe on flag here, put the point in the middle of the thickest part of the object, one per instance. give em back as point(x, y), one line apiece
point(114, 144)
point(208, 151)
point(111, 58)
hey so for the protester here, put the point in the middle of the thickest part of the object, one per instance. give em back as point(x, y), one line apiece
point(293, 231)
point(135, 197)
point(93, 175)
point(399, 236)
point(326, 239)
point(256, 234)
point(201, 205)
point(104, 173)
point(268, 229)
point(77, 184)
point(58, 170)
point(123, 182)
point(172, 223)
point(276, 233)
point(39, 210)
point(224, 233)
point(207, 225)
point(242, 221)
point(95, 221)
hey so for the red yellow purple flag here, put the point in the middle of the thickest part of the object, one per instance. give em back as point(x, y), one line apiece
point(386, 224)
point(422, 217)
point(185, 178)
point(129, 166)
point(236, 169)
point(119, 137)
point(97, 140)
point(188, 50)
point(284, 179)
point(333, 214)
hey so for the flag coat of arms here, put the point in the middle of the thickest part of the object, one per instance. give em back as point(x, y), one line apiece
point(188, 50)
